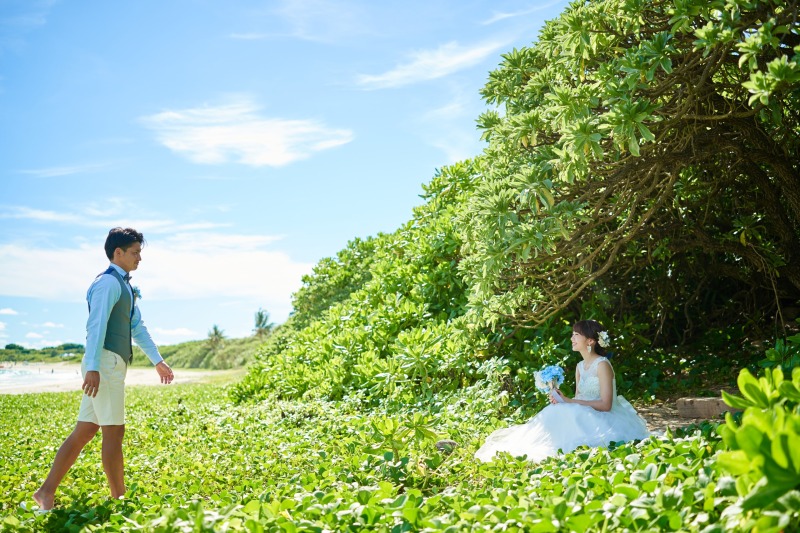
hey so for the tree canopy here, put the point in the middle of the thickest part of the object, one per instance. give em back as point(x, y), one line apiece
point(644, 153)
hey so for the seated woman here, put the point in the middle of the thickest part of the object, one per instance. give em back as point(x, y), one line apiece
point(595, 417)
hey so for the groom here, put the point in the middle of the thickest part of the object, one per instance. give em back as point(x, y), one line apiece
point(114, 321)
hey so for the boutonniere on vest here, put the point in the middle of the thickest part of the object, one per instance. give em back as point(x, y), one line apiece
point(137, 292)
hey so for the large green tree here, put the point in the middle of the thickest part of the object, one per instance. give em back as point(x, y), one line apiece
point(643, 155)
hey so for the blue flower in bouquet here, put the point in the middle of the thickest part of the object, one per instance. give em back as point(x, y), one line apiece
point(548, 378)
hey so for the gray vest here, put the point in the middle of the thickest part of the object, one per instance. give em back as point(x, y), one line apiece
point(118, 331)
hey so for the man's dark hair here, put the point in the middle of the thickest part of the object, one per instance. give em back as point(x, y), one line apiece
point(122, 238)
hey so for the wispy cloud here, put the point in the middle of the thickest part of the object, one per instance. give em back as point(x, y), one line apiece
point(450, 127)
point(325, 21)
point(42, 215)
point(248, 36)
point(2, 326)
point(17, 18)
point(53, 172)
point(431, 64)
point(106, 215)
point(239, 133)
point(498, 16)
point(52, 325)
point(25, 13)
point(33, 335)
point(7, 311)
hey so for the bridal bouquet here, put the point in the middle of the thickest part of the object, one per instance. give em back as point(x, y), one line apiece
point(548, 379)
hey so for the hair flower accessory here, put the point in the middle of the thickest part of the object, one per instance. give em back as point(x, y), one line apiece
point(603, 340)
point(137, 292)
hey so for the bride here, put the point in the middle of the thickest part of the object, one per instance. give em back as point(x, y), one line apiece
point(595, 417)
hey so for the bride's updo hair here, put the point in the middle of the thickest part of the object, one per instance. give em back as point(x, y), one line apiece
point(591, 330)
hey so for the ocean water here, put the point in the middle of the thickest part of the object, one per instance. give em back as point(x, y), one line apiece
point(20, 376)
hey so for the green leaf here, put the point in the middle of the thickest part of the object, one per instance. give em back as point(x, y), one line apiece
point(736, 462)
point(762, 495)
point(737, 402)
point(633, 146)
point(629, 491)
point(751, 389)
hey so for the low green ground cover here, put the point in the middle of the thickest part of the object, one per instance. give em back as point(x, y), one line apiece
point(196, 462)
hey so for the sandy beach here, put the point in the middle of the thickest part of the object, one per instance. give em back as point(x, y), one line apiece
point(60, 377)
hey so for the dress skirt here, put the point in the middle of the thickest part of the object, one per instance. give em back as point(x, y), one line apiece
point(563, 427)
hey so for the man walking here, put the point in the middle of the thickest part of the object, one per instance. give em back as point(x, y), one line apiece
point(114, 321)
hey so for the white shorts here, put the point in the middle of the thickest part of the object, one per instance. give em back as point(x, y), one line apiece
point(108, 407)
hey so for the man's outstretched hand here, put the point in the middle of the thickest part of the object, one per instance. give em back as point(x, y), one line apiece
point(165, 373)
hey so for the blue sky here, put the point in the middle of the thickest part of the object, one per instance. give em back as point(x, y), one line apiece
point(247, 140)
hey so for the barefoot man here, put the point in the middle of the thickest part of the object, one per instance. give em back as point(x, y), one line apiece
point(114, 321)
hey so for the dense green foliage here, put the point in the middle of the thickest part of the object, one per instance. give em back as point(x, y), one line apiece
point(197, 463)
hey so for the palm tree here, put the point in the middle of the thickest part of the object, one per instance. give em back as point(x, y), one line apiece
point(216, 336)
point(263, 325)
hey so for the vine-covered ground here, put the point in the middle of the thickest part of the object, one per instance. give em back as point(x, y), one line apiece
point(197, 462)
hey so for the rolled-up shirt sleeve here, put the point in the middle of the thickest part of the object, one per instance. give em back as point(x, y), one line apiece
point(103, 294)
point(142, 337)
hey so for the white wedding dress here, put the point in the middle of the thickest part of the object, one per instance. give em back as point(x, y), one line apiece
point(565, 426)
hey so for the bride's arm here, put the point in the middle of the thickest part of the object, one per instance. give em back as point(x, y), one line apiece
point(606, 376)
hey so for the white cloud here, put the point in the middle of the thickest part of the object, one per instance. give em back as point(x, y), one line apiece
point(173, 267)
point(32, 335)
point(239, 133)
point(52, 325)
point(431, 64)
point(42, 342)
point(2, 326)
point(229, 266)
point(7, 311)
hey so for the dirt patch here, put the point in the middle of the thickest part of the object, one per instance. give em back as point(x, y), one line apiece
point(664, 415)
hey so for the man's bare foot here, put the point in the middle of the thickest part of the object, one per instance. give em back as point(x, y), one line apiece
point(44, 501)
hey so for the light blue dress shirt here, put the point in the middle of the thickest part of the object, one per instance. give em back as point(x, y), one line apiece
point(103, 294)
